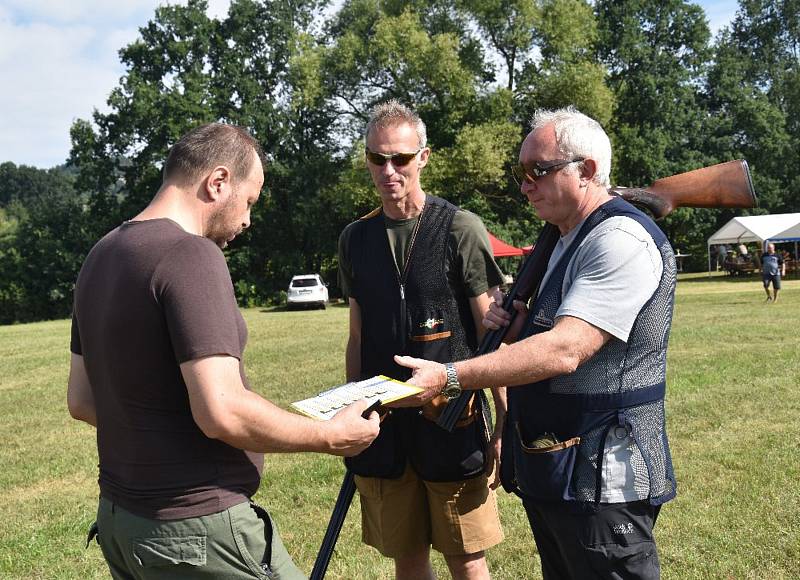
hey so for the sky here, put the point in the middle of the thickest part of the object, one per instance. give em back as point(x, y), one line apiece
point(60, 61)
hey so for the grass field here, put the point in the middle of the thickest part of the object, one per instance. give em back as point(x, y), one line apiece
point(733, 408)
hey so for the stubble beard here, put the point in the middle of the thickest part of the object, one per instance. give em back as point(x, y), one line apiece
point(218, 231)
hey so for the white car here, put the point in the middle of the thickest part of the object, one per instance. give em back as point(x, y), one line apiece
point(307, 290)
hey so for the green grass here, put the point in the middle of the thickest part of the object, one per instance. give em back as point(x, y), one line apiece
point(733, 408)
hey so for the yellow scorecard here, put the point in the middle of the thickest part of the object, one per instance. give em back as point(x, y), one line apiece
point(326, 404)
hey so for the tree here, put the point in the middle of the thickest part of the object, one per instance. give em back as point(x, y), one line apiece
point(753, 91)
point(509, 26)
point(567, 72)
point(376, 55)
point(656, 53)
point(23, 183)
point(187, 69)
point(42, 245)
point(165, 92)
point(42, 242)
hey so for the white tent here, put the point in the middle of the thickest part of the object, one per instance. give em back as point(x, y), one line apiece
point(780, 227)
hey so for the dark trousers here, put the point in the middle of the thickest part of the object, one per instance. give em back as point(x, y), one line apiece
point(615, 542)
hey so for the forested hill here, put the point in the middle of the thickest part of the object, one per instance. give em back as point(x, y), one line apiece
point(303, 76)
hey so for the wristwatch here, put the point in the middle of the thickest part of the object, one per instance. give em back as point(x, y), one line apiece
point(452, 388)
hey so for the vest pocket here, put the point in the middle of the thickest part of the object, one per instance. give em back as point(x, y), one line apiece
point(545, 473)
point(384, 457)
point(429, 334)
point(437, 455)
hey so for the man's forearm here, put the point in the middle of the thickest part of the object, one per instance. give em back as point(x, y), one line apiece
point(223, 409)
point(352, 359)
point(557, 352)
point(352, 354)
point(258, 425)
point(255, 424)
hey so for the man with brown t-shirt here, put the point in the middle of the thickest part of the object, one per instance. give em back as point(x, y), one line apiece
point(157, 345)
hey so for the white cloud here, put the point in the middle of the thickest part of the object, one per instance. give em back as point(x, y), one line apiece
point(81, 11)
point(54, 80)
point(218, 8)
point(60, 60)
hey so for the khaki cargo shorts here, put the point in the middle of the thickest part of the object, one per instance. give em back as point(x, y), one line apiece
point(406, 515)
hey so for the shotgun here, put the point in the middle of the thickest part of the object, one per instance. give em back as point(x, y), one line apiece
point(722, 185)
point(343, 501)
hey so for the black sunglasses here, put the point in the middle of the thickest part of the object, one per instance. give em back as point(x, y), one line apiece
point(531, 173)
point(397, 159)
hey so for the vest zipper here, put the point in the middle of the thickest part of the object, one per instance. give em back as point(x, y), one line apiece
point(401, 279)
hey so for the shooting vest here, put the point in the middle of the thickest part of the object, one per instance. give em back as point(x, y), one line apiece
point(414, 312)
point(620, 388)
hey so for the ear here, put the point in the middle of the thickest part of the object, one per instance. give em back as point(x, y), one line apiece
point(423, 157)
point(588, 169)
point(218, 182)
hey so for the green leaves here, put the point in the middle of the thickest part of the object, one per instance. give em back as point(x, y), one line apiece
point(43, 239)
point(754, 97)
point(302, 76)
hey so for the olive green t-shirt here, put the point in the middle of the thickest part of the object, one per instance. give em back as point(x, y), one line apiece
point(470, 264)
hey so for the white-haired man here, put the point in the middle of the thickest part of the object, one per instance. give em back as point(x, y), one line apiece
point(585, 445)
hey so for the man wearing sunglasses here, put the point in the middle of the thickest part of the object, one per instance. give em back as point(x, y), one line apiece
point(585, 443)
point(419, 273)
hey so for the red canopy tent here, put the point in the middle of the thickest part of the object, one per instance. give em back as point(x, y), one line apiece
point(502, 249)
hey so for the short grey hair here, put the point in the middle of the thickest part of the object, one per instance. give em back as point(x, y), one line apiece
point(578, 136)
point(393, 112)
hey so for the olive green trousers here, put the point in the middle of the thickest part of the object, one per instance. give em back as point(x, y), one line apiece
point(237, 543)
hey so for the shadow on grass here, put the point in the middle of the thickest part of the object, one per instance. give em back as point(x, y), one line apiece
point(285, 308)
point(716, 277)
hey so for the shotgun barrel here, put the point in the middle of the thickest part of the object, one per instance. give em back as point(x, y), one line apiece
point(526, 285)
point(343, 501)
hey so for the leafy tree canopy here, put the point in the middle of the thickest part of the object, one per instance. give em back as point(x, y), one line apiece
point(302, 76)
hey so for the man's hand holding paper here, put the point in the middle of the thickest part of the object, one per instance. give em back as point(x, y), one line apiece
point(349, 432)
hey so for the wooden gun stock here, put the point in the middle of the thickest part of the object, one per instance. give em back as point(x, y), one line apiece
point(722, 185)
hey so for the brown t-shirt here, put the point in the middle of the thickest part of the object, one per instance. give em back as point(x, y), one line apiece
point(149, 297)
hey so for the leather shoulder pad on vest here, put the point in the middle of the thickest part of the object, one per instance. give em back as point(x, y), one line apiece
point(375, 212)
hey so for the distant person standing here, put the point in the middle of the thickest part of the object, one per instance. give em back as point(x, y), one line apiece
point(772, 268)
point(722, 254)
